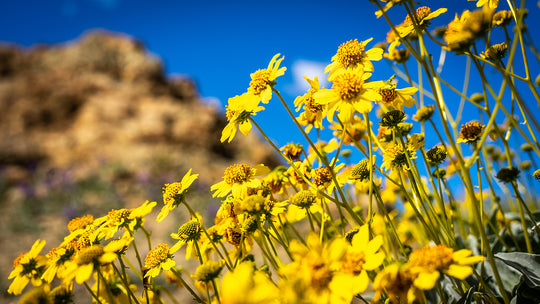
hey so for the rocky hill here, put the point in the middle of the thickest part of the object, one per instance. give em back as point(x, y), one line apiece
point(95, 124)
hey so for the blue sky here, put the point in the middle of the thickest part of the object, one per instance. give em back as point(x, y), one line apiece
point(219, 43)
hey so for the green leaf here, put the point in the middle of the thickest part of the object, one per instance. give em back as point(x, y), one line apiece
point(527, 264)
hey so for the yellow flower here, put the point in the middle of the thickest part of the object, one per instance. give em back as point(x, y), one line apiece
point(158, 259)
point(174, 194)
point(129, 219)
point(239, 111)
point(395, 156)
point(396, 98)
point(363, 255)
point(396, 281)
point(429, 262)
point(246, 285)
point(470, 132)
point(311, 276)
point(313, 111)
point(238, 179)
point(28, 267)
point(87, 259)
point(490, 3)
point(262, 81)
point(352, 55)
point(56, 259)
point(349, 94)
point(109, 288)
point(188, 233)
point(422, 18)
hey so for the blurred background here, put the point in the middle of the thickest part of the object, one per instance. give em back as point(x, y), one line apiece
point(104, 101)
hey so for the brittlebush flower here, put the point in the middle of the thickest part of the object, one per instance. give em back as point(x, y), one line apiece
point(158, 259)
point(238, 179)
point(311, 276)
point(363, 255)
point(396, 281)
point(56, 261)
point(28, 267)
point(262, 81)
point(396, 98)
point(422, 17)
point(352, 55)
point(350, 94)
point(188, 234)
point(430, 262)
point(174, 194)
point(128, 219)
point(490, 3)
point(89, 258)
point(247, 285)
point(313, 111)
point(239, 110)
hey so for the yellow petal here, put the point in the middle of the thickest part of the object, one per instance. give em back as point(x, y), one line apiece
point(426, 280)
point(84, 272)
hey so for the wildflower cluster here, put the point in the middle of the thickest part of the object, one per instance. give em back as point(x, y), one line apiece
point(334, 223)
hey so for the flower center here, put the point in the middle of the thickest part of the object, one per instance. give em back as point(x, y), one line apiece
point(190, 230)
point(237, 174)
point(172, 193)
point(303, 199)
point(89, 255)
point(259, 81)
point(157, 256)
point(348, 85)
point(388, 95)
point(471, 131)
point(436, 258)
point(421, 13)
point(321, 176)
point(353, 263)
point(321, 275)
point(80, 222)
point(117, 217)
point(350, 52)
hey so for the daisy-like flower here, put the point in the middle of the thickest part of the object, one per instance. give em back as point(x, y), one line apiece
point(395, 156)
point(158, 259)
point(56, 260)
point(262, 81)
point(87, 259)
point(396, 281)
point(490, 3)
point(313, 111)
point(188, 233)
point(238, 179)
point(350, 93)
point(239, 110)
point(363, 255)
point(28, 267)
point(470, 132)
point(129, 219)
point(246, 285)
point(352, 55)
point(396, 98)
point(422, 17)
point(174, 194)
point(429, 262)
point(311, 276)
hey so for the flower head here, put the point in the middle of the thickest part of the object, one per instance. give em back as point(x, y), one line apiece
point(262, 81)
point(239, 110)
point(470, 132)
point(28, 267)
point(429, 262)
point(362, 255)
point(396, 98)
point(238, 179)
point(174, 194)
point(188, 233)
point(313, 111)
point(87, 259)
point(353, 55)
point(508, 174)
point(350, 93)
point(158, 259)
